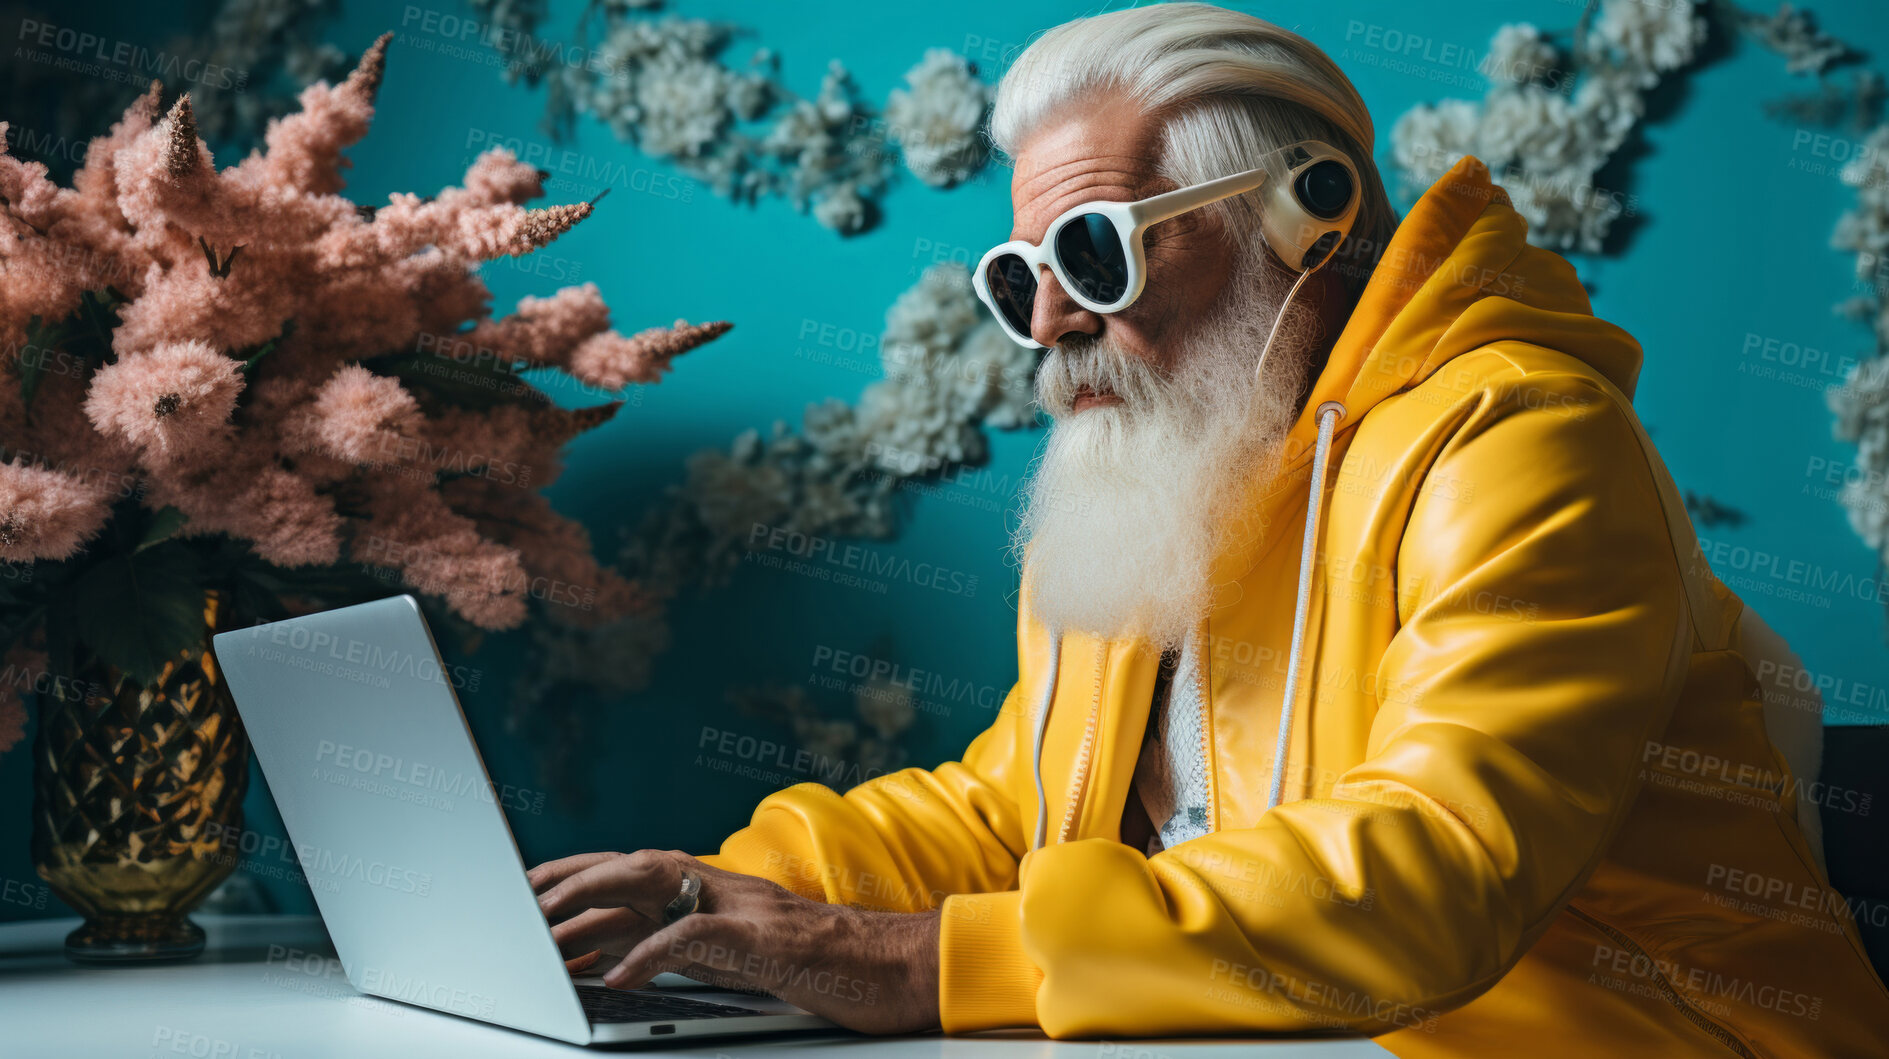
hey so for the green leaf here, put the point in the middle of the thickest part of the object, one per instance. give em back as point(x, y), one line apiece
point(139, 611)
point(91, 331)
point(82, 339)
point(264, 349)
point(164, 525)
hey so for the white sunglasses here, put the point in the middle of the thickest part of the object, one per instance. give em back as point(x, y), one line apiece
point(1095, 249)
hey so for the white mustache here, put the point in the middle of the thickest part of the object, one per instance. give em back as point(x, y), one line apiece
point(1098, 367)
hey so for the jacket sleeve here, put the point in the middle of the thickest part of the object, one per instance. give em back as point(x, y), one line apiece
point(898, 842)
point(1541, 637)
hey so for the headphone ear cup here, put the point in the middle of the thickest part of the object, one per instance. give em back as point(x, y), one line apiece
point(1325, 189)
point(1307, 216)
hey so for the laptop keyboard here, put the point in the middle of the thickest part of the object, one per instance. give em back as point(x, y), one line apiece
point(603, 1004)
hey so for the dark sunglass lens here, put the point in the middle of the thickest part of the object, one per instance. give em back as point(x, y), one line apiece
point(1094, 257)
point(1013, 287)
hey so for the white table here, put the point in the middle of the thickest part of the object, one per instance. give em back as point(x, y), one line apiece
point(268, 988)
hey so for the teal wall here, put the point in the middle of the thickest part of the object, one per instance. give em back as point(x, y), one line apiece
point(1730, 240)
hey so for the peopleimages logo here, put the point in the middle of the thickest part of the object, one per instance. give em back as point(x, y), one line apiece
point(1322, 1002)
point(918, 681)
point(1794, 896)
point(1685, 768)
point(1772, 574)
point(337, 865)
point(859, 560)
point(24, 894)
point(117, 60)
point(748, 755)
point(418, 775)
point(1707, 988)
point(415, 990)
point(314, 643)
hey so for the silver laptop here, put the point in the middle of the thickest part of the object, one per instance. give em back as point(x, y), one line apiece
point(403, 839)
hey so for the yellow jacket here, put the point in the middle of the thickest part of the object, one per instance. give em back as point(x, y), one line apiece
point(1530, 805)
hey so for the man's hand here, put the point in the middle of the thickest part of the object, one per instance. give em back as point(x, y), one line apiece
point(876, 972)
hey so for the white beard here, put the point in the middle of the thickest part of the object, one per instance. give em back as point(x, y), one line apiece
point(1129, 504)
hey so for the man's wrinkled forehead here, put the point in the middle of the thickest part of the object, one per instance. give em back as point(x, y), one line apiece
point(1084, 152)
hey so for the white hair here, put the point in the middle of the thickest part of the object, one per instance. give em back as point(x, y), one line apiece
point(1228, 87)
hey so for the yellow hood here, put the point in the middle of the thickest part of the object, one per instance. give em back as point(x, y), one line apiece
point(1470, 630)
point(1457, 277)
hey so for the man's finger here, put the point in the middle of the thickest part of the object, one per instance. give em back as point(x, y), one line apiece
point(646, 881)
point(595, 927)
point(592, 964)
point(552, 872)
point(671, 949)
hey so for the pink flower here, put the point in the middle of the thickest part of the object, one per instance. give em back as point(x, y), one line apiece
point(285, 520)
point(611, 361)
point(57, 434)
point(361, 416)
point(190, 302)
point(498, 176)
point(318, 444)
point(282, 516)
point(442, 553)
point(45, 514)
point(509, 442)
point(304, 148)
point(166, 179)
point(542, 330)
point(576, 590)
point(170, 399)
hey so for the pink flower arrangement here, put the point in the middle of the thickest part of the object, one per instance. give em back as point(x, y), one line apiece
point(252, 356)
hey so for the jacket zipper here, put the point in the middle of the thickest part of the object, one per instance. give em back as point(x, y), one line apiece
point(1206, 737)
point(1083, 754)
point(1666, 988)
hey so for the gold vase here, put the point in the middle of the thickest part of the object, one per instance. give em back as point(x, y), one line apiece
point(136, 790)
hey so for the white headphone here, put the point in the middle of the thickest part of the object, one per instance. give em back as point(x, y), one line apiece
point(1305, 216)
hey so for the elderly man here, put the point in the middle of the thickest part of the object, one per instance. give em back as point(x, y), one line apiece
point(1369, 678)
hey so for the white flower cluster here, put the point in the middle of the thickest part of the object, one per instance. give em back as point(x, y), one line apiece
point(1545, 145)
point(949, 372)
point(844, 750)
point(660, 84)
point(937, 123)
point(1646, 38)
point(1518, 55)
point(1792, 34)
point(511, 27)
point(1861, 404)
point(250, 40)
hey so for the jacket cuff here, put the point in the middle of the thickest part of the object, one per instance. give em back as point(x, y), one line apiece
point(985, 981)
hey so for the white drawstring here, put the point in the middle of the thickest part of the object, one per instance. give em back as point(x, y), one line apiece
point(1328, 415)
point(1042, 725)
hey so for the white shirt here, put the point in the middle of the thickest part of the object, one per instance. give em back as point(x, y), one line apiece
point(1171, 772)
